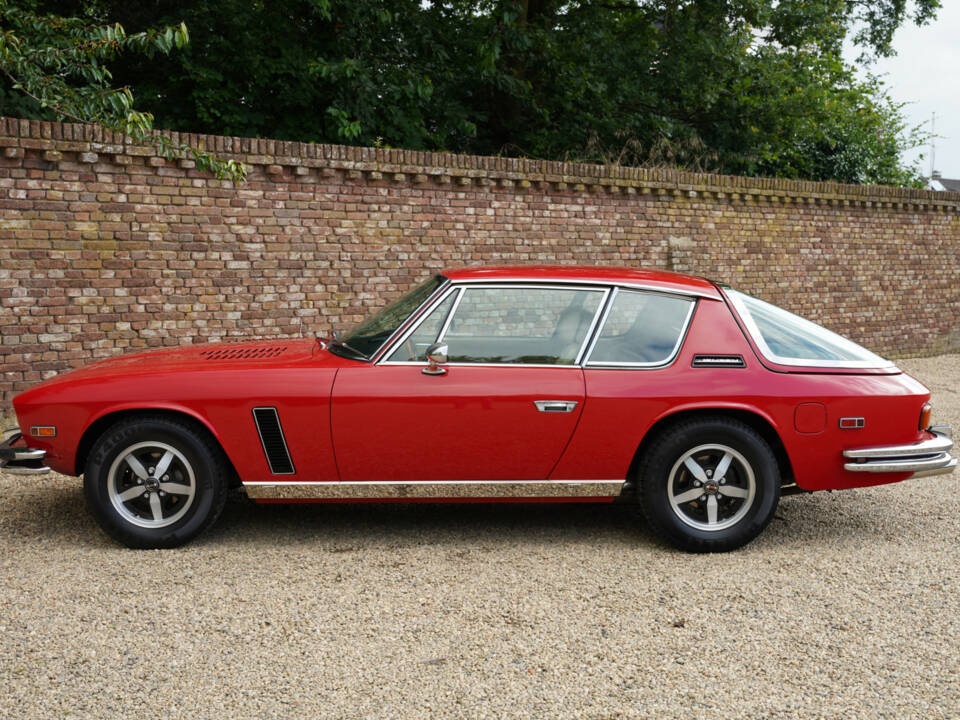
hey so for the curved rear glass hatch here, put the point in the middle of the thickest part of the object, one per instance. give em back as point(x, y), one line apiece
point(788, 339)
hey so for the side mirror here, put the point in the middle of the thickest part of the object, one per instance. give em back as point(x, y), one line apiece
point(436, 355)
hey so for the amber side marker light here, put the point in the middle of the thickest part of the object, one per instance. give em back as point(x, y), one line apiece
point(925, 416)
point(43, 431)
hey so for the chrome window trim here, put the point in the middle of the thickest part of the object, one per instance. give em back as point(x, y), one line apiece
point(455, 286)
point(594, 324)
point(428, 302)
point(757, 337)
point(415, 325)
point(588, 364)
point(449, 318)
point(611, 298)
point(605, 283)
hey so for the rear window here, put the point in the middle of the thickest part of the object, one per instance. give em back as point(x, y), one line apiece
point(641, 328)
point(789, 339)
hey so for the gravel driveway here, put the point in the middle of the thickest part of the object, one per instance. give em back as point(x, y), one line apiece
point(847, 606)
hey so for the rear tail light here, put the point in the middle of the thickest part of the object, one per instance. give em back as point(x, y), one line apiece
point(925, 416)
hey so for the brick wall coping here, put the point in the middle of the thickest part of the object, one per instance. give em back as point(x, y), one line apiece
point(279, 159)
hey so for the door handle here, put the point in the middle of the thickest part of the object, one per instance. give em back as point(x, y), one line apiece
point(555, 406)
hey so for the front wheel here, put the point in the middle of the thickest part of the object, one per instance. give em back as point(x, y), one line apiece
point(709, 485)
point(155, 482)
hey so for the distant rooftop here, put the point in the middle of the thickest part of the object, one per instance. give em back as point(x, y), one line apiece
point(942, 184)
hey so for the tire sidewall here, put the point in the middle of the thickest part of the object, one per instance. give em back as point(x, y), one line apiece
point(656, 480)
point(117, 440)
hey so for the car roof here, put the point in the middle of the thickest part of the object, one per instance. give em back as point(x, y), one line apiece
point(629, 277)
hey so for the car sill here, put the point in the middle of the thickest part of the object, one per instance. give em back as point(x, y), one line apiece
point(438, 489)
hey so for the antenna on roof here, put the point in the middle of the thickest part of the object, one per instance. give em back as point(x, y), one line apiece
point(933, 144)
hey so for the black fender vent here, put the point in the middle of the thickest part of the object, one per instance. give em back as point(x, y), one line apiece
point(243, 353)
point(274, 444)
point(717, 361)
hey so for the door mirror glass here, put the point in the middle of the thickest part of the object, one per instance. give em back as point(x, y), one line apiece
point(437, 353)
point(436, 356)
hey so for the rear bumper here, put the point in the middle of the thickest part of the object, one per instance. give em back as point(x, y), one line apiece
point(18, 460)
point(924, 458)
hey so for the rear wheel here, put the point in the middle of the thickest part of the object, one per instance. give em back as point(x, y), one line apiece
point(155, 482)
point(709, 485)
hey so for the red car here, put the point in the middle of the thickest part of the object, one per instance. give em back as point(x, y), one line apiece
point(561, 384)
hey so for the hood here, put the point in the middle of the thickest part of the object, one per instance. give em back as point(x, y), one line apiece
point(201, 357)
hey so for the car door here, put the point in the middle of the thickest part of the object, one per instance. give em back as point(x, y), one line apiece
point(505, 407)
point(631, 377)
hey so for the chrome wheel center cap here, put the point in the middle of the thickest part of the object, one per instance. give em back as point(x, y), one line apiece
point(152, 483)
point(711, 487)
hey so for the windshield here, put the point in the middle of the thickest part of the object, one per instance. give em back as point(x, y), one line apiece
point(788, 339)
point(370, 335)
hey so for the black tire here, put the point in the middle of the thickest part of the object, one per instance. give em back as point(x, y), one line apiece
point(744, 493)
point(163, 511)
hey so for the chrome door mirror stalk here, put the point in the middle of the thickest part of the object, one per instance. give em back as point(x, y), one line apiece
point(436, 356)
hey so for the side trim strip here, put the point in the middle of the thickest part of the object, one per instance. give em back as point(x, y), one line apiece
point(434, 489)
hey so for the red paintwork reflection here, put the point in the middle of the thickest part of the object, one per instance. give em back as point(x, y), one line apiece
point(474, 423)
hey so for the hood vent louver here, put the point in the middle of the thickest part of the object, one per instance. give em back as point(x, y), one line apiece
point(243, 353)
point(718, 361)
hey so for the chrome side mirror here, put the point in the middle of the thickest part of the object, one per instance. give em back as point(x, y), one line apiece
point(436, 355)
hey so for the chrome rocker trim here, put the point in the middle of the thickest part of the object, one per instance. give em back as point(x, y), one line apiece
point(20, 460)
point(923, 459)
point(438, 489)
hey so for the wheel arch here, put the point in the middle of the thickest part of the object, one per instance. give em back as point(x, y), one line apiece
point(751, 417)
point(110, 417)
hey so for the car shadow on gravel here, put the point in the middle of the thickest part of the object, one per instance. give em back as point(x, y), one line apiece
point(57, 514)
point(799, 520)
point(399, 524)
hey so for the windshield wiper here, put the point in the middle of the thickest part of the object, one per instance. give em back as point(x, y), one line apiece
point(334, 340)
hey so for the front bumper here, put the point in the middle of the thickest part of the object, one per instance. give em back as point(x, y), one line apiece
point(20, 460)
point(924, 458)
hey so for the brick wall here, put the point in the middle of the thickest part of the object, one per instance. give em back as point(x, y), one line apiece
point(106, 247)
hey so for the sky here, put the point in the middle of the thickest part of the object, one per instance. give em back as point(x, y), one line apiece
point(925, 72)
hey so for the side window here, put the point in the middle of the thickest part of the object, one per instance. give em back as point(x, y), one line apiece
point(414, 348)
point(521, 325)
point(641, 329)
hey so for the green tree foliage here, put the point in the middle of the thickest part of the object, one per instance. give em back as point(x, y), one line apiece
point(753, 87)
point(62, 66)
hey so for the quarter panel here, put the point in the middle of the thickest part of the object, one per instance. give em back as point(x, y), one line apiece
point(623, 404)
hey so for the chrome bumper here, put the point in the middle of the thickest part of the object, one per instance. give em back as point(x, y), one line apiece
point(925, 458)
point(20, 460)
